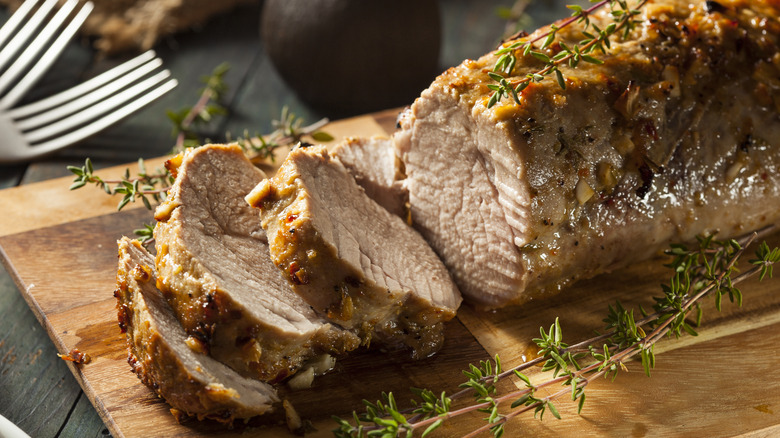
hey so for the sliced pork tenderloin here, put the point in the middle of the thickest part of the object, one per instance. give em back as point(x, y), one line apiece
point(355, 263)
point(215, 270)
point(375, 167)
point(161, 356)
point(677, 133)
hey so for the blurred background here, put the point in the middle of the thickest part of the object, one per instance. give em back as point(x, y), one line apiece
point(319, 58)
point(315, 74)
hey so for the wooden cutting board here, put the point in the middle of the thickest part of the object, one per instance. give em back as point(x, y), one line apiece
point(59, 246)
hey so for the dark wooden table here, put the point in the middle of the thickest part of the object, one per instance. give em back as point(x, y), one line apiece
point(37, 391)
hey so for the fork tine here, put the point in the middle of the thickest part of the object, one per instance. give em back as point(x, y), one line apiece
point(96, 110)
point(106, 121)
point(18, 41)
point(16, 19)
point(81, 89)
point(86, 100)
point(46, 59)
point(38, 44)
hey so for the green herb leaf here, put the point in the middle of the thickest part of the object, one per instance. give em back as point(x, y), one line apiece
point(435, 425)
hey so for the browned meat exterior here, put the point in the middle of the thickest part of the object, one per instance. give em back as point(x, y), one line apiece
point(375, 167)
point(354, 262)
point(160, 355)
point(676, 134)
point(215, 270)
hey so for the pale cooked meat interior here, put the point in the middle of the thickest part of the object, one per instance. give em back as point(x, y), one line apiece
point(354, 262)
point(160, 355)
point(376, 168)
point(674, 135)
point(214, 266)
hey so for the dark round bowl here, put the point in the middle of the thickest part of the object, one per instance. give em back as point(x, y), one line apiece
point(347, 57)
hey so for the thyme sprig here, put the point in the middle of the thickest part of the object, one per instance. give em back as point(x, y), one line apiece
point(145, 234)
point(143, 185)
point(708, 269)
point(151, 188)
point(288, 130)
point(188, 119)
point(594, 39)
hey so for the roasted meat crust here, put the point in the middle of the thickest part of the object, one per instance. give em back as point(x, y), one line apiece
point(674, 135)
point(160, 356)
point(215, 271)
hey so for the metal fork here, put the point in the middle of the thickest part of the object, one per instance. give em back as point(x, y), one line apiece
point(22, 39)
point(74, 114)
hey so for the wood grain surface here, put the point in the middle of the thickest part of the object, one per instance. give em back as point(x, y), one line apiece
point(720, 383)
point(37, 390)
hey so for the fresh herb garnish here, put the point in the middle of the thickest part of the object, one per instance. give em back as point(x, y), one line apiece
point(288, 130)
point(594, 39)
point(707, 270)
point(151, 187)
point(142, 186)
point(187, 120)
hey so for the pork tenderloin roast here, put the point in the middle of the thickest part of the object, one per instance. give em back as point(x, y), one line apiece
point(355, 263)
point(159, 350)
point(215, 270)
point(376, 168)
point(674, 135)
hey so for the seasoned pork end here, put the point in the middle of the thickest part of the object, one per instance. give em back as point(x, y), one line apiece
point(376, 168)
point(675, 134)
point(215, 271)
point(160, 355)
point(355, 263)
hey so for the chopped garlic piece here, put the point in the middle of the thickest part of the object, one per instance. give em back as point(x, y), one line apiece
point(294, 423)
point(303, 379)
point(583, 191)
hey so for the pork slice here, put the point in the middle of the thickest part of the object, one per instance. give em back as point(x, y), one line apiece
point(355, 263)
point(376, 168)
point(215, 270)
point(676, 134)
point(160, 355)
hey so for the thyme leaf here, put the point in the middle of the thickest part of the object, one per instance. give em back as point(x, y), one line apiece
point(187, 120)
point(594, 39)
point(288, 130)
point(147, 187)
point(145, 234)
